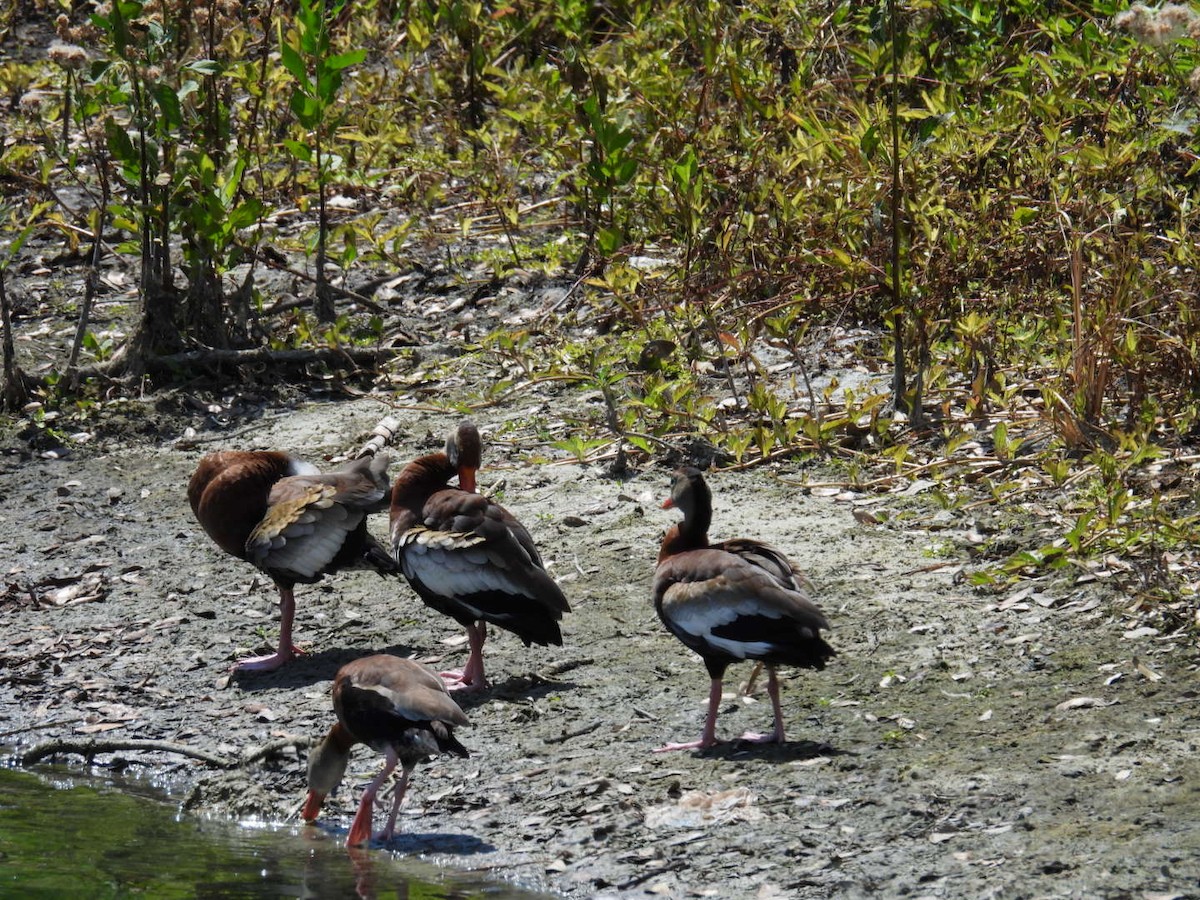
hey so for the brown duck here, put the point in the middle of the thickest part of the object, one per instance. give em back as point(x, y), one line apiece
point(468, 557)
point(731, 601)
point(291, 521)
point(396, 707)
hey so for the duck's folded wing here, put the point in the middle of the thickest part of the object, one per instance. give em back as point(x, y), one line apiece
point(714, 602)
point(772, 561)
point(305, 527)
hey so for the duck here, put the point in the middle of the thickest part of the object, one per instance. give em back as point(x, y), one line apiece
point(396, 707)
point(731, 601)
point(283, 515)
point(469, 558)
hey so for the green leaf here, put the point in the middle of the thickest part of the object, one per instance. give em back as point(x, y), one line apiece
point(299, 150)
point(186, 89)
point(841, 258)
point(229, 187)
point(1023, 215)
point(624, 171)
point(306, 109)
point(33, 219)
point(345, 60)
point(328, 84)
point(205, 67)
point(869, 142)
point(640, 443)
point(117, 24)
point(683, 172)
point(168, 103)
point(206, 168)
point(609, 240)
point(245, 214)
point(295, 65)
point(119, 144)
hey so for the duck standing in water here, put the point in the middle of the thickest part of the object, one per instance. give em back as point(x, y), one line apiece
point(396, 707)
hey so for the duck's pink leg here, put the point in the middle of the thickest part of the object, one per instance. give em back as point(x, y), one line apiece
point(286, 651)
point(471, 678)
point(360, 828)
point(776, 736)
point(401, 789)
point(709, 737)
point(747, 689)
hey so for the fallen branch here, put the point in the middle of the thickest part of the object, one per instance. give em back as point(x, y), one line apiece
point(90, 747)
point(260, 355)
point(272, 747)
point(280, 264)
point(563, 666)
point(652, 873)
point(24, 729)
point(223, 437)
point(118, 368)
point(17, 386)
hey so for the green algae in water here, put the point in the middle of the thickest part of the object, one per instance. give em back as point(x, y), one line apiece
point(97, 842)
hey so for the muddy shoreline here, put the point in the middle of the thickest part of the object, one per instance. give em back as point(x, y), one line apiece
point(1038, 742)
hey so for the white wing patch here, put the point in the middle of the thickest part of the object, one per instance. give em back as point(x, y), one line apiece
point(419, 702)
point(700, 618)
point(457, 572)
point(740, 649)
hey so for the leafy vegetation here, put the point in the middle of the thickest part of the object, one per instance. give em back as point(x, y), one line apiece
point(983, 214)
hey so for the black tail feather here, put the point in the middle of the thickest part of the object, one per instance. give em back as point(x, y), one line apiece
point(379, 559)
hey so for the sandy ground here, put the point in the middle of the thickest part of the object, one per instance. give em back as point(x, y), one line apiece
point(1034, 743)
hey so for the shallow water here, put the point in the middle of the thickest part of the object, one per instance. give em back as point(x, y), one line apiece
point(73, 837)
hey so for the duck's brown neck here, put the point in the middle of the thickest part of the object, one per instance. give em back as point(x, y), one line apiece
point(421, 479)
point(239, 499)
point(326, 766)
point(690, 534)
point(340, 739)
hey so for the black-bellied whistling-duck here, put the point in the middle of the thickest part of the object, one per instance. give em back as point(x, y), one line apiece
point(290, 520)
point(468, 557)
point(394, 706)
point(731, 601)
